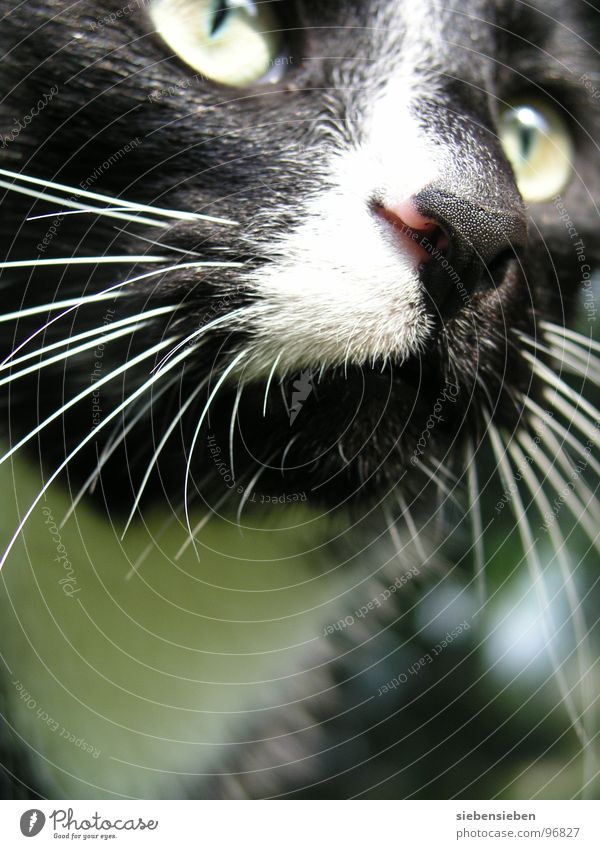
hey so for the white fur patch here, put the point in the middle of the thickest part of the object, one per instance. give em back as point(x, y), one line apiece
point(343, 290)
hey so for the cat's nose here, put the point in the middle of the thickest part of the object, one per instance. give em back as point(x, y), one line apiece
point(460, 247)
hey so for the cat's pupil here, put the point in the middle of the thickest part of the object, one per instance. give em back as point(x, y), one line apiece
point(219, 16)
point(527, 141)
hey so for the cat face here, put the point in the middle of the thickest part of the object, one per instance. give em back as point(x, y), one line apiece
point(399, 178)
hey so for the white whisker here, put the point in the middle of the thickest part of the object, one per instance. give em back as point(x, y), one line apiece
point(268, 385)
point(234, 415)
point(412, 528)
point(81, 207)
point(250, 487)
point(200, 332)
point(237, 359)
point(585, 341)
point(585, 493)
point(587, 368)
point(158, 244)
point(112, 444)
point(201, 524)
point(71, 352)
point(78, 192)
point(84, 300)
point(85, 260)
point(541, 422)
point(583, 353)
point(59, 305)
point(163, 441)
point(580, 630)
point(143, 388)
point(476, 525)
point(529, 547)
point(123, 322)
point(122, 213)
point(575, 506)
point(556, 384)
point(87, 391)
point(588, 428)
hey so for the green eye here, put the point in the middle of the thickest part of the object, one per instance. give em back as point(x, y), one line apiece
point(234, 42)
point(539, 148)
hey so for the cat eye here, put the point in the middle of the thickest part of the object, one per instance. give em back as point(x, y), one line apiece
point(539, 148)
point(234, 42)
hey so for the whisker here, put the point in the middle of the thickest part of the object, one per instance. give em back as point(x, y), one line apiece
point(249, 488)
point(79, 192)
point(268, 385)
point(71, 352)
point(584, 353)
point(122, 213)
point(237, 359)
point(580, 629)
point(123, 322)
point(201, 524)
point(112, 444)
point(585, 341)
point(588, 369)
point(82, 444)
point(84, 260)
point(412, 528)
point(585, 493)
point(529, 547)
point(234, 415)
point(84, 300)
point(163, 441)
point(80, 207)
point(87, 391)
point(199, 332)
point(61, 213)
point(431, 474)
point(58, 305)
point(476, 524)
point(576, 507)
point(588, 428)
point(541, 422)
point(158, 244)
point(556, 384)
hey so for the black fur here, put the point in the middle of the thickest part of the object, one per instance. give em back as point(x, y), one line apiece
point(241, 155)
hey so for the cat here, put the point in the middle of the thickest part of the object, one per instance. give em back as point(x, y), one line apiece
point(312, 257)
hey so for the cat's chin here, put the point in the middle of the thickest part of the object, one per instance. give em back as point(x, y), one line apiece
point(347, 437)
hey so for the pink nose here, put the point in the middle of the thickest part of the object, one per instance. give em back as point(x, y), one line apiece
point(417, 236)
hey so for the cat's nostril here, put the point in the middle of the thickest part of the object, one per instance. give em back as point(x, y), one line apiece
point(419, 236)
